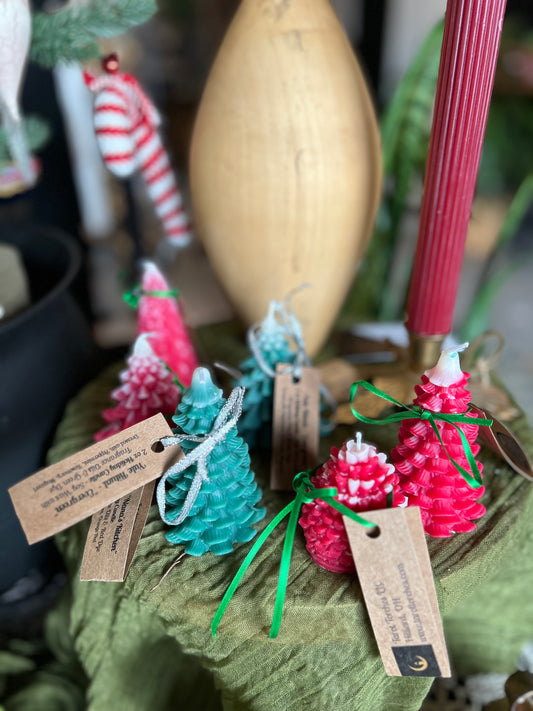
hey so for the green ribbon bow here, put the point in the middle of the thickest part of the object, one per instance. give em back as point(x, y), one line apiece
point(133, 297)
point(305, 493)
point(415, 411)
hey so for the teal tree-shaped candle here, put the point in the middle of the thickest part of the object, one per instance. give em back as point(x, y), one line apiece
point(210, 500)
point(269, 346)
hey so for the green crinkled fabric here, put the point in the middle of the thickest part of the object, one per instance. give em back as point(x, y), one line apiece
point(153, 650)
point(43, 675)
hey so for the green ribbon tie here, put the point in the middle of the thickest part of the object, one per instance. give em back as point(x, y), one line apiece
point(415, 411)
point(305, 493)
point(133, 297)
point(176, 380)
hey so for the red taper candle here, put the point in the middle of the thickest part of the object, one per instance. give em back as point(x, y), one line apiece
point(471, 40)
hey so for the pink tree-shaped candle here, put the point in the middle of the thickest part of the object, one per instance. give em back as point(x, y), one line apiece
point(363, 479)
point(466, 75)
point(428, 478)
point(147, 387)
point(160, 317)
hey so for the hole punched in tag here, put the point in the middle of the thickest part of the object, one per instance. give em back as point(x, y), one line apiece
point(157, 446)
point(373, 532)
point(502, 441)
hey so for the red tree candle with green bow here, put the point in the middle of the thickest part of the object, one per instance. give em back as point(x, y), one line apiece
point(427, 476)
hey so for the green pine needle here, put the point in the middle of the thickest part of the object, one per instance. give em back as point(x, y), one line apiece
point(71, 35)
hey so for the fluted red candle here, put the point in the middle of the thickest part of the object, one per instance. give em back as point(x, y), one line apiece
point(471, 40)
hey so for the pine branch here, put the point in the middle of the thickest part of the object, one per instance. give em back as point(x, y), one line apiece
point(71, 35)
point(119, 16)
point(37, 132)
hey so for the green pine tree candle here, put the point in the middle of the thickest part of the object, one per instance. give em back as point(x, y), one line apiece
point(224, 509)
point(271, 347)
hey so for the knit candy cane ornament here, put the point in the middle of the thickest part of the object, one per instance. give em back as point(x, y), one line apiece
point(126, 125)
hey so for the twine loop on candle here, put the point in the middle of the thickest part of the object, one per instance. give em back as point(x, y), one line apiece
point(133, 296)
point(416, 412)
point(226, 419)
point(305, 494)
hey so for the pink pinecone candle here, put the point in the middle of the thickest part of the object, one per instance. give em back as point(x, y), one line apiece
point(363, 479)
point(160, 317)
point(147, 388)
point(427, 477)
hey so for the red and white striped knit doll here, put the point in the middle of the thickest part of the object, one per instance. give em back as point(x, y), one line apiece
point(126, 124)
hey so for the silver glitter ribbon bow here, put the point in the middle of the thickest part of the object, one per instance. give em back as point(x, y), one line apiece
point(226, 419)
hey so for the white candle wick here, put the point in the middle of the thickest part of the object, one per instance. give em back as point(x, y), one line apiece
point(358, 439)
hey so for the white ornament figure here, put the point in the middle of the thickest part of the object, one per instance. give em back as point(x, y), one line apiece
point(126, 124)
point(15, 34)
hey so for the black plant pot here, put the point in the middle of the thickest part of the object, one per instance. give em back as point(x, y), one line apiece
point(46, 354)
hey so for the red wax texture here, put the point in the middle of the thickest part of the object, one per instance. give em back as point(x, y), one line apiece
point(161, 319)
point(427, 477)
point(362, 486)
point(466, 75)
point(147, 387)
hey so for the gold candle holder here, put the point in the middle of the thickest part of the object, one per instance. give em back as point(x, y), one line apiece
point(423, 351)
point(397, 375)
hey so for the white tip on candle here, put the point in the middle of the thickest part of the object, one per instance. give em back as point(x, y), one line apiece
point(201, 375)
point(358, 440)
point(448, 369)
point(150, 267)
point(270, 322)
point(353, 452)
point(142, 345)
